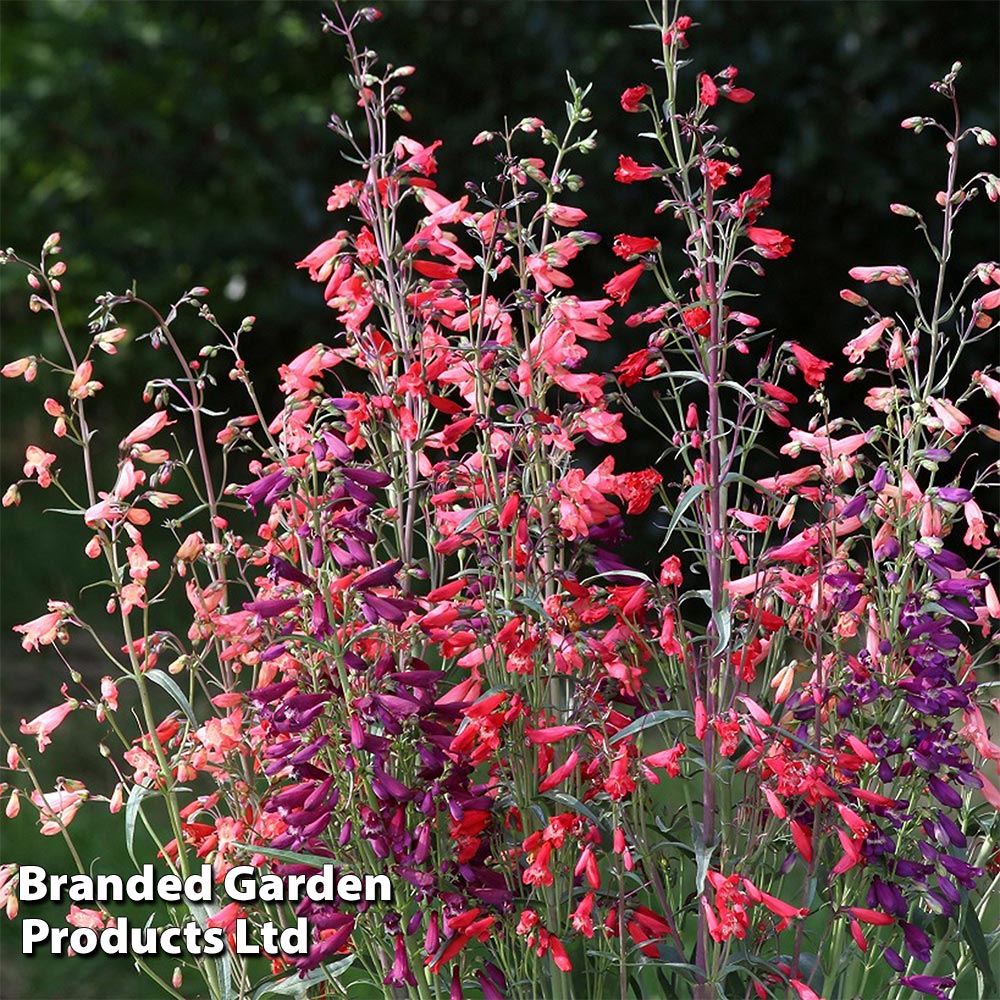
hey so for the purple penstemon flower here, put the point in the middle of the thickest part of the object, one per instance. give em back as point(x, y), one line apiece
point(400, 974)
point(954, 494)
point(934, 986)
point(326, 948)
point(888, 897)
point(319, 622)
point(282, 569)
point(351, 555)
point(371, 478)
point(918, 944)
point(941, 563)
point(943, 792)
point(378, 577)
point(266, 489)
point(271, 607)
point(336, 448)
point(964, 873)
point(854, 506)
point(389, 609)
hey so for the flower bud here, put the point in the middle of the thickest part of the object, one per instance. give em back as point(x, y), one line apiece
point(15, 369)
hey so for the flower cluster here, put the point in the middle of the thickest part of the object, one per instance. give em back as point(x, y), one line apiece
point(420, 641)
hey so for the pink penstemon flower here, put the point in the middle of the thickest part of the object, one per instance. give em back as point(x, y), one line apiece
point(43, 725)
point(951, 417)
point(37, 463)
point(58, 809)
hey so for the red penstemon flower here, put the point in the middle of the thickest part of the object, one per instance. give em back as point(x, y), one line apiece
point(632, 246)
point(620, 286)
point(629, 171)
point(771, 243)
point(813, 369)
point(631, 99)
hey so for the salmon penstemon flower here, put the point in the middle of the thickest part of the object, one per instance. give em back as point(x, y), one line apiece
point(753, 758)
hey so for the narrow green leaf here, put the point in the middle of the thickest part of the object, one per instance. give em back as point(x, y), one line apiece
point(703, 856)
point(572, 802)
point(723, 619)
point(690, 495)
point(648, 721)
point(169, 685)
point(470, 517)
point(740, 389)
point(690, 376)
point(223, 964)
point(297, 987)
point(133, 805)
point(291, 857)
point(972, 931)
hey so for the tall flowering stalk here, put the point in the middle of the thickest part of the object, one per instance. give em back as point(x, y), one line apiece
point(416, 644)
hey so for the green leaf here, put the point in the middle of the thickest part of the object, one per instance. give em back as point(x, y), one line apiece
point(470, 517)
point(723, 619)
point(133, 806)
point(572, 802)
point(687, 376)
point(297, 987)
point(649, 720)
point(633, 573)
point(738, 477)
point(291, 857)
point(691, 494)
point(223, 964)
point(740, 389)
point(169, 685)
point(703, 856)
point(972, 931)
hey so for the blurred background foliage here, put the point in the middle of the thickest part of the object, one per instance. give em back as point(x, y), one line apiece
point(180, 143)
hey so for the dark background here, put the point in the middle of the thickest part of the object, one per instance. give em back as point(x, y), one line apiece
point(176, 144)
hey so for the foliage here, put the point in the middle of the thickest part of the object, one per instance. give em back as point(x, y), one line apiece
point(709, 771)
